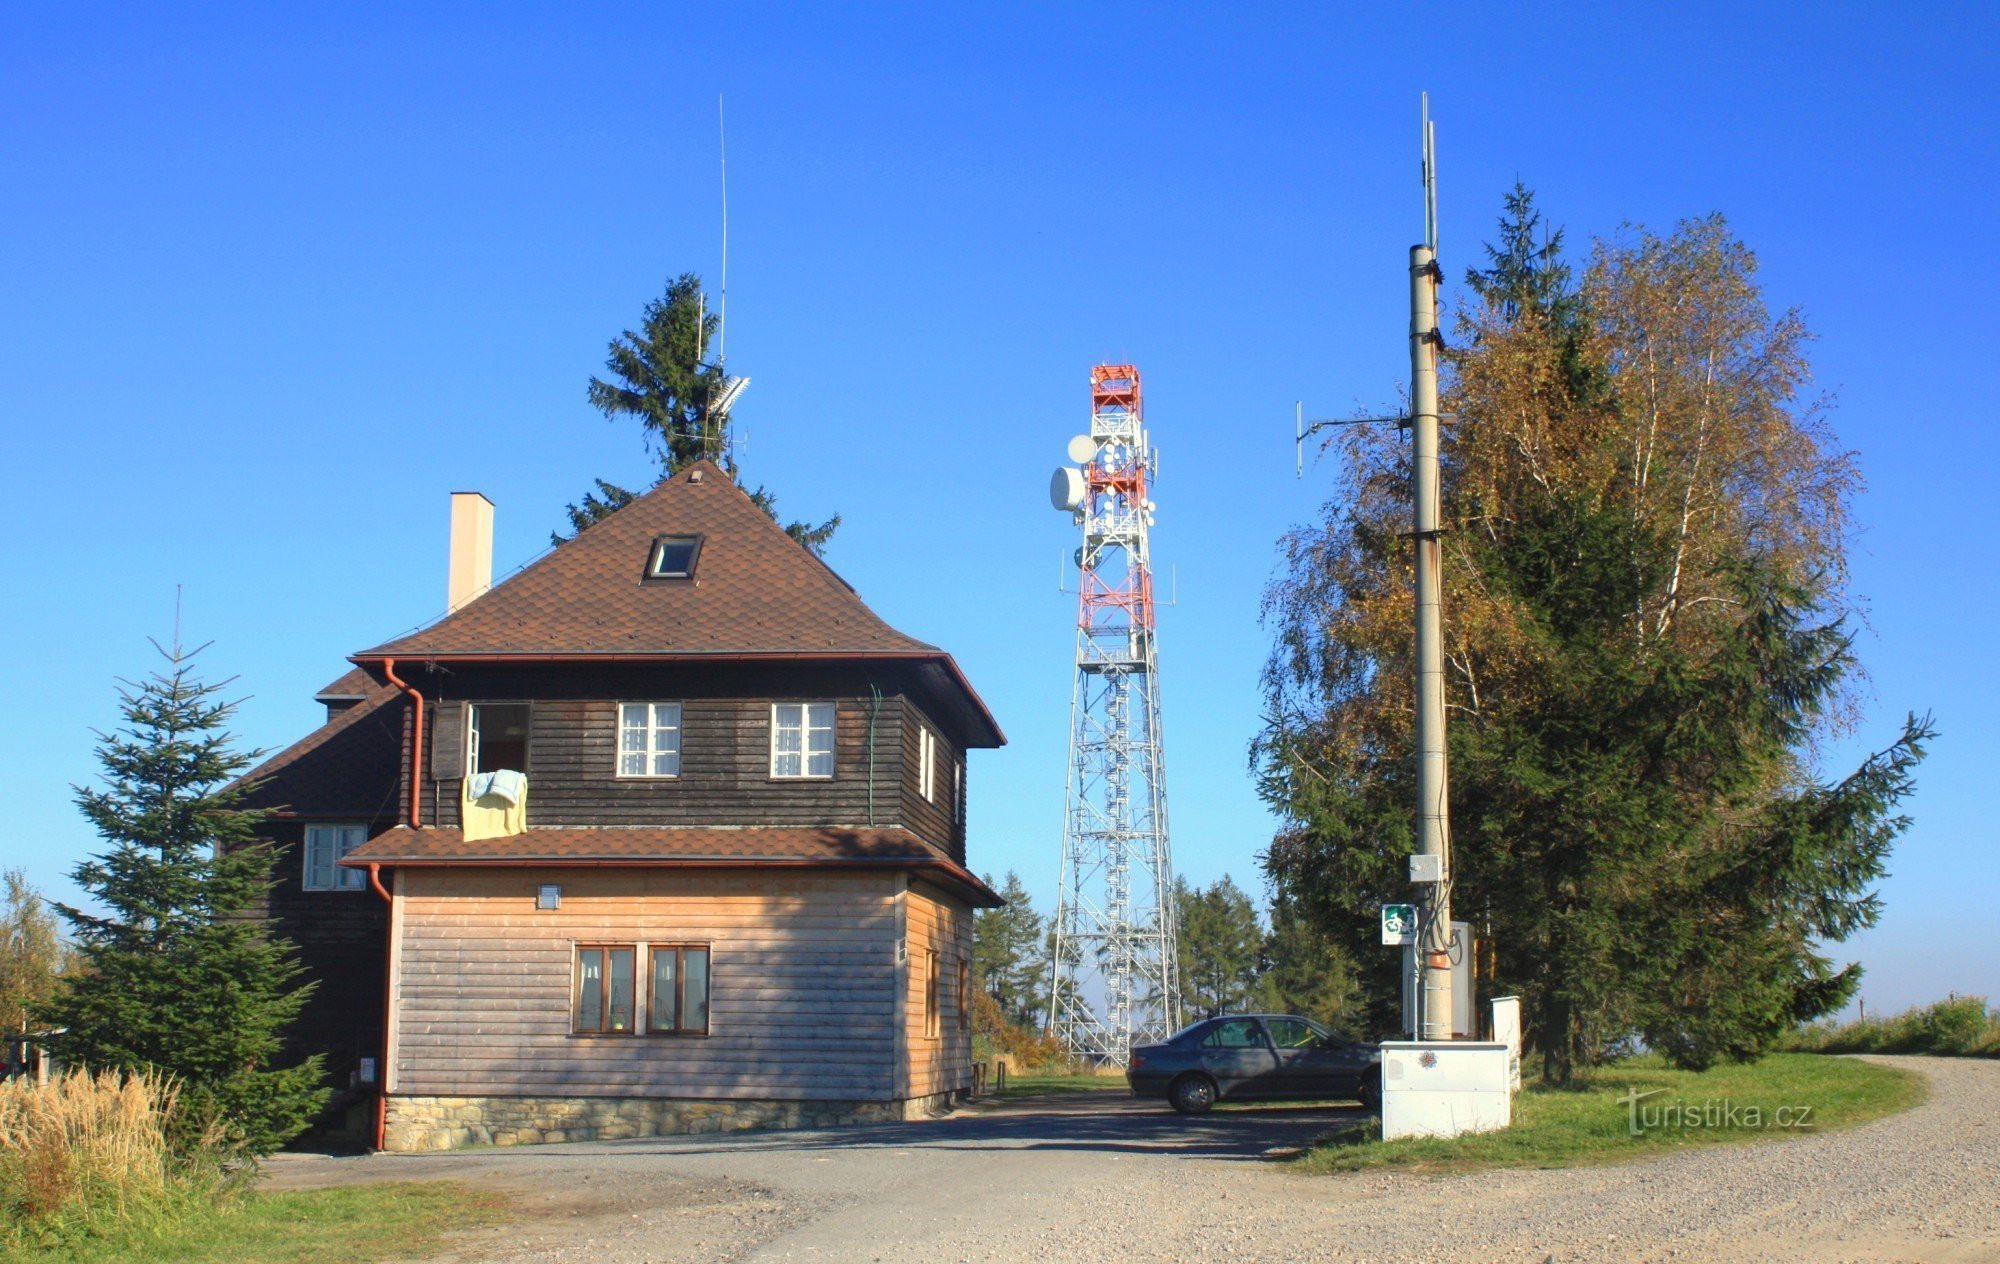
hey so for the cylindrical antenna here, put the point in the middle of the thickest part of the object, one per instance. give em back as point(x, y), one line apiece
point(722, 321)
point(1429, 143)
point(1299, 435)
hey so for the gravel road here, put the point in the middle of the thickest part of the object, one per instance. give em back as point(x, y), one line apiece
point(1098, 1177)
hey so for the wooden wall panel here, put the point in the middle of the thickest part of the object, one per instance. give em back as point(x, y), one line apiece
point(725, 746)
point(802, 999)
point(342, 939)
point(932, 819)
point(941, 925)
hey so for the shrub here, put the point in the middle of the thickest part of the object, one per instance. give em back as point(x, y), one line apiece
point(87, 1154)
point(1955, 1026)
point(1026, 1051)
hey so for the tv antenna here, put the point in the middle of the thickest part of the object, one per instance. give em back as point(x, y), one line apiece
point(1303, 429)
point(732, 387)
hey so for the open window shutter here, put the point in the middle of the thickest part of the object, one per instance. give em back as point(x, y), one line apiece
point(447, 742)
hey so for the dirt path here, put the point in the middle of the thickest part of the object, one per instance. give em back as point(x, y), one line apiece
point(1102, 1178)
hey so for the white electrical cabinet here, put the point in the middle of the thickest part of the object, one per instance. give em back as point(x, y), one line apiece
point(1442, 1088)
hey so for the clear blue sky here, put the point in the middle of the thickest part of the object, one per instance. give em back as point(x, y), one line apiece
point(276, 284)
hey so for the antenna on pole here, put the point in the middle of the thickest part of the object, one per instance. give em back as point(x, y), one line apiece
point(722, 149)
point(1430, 176)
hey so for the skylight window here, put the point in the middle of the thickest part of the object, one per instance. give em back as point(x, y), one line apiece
point(673, 557)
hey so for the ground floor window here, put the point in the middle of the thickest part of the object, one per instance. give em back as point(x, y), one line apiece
point(604, 989)
point(679, 991)
point(931, 1016)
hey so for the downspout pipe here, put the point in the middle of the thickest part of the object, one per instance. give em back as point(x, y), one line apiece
point(388, 1002)
point(416, 742)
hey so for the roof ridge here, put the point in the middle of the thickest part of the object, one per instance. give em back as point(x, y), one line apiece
point(593, 593)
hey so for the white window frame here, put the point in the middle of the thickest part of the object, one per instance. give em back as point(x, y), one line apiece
point(927, 764)
point(653, 728)
point(803, 725)
point(332, 840)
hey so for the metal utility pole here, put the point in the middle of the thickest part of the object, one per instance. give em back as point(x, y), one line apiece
point(1116, 976)
point(1430, 868)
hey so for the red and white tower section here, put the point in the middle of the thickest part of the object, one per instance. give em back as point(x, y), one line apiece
point(1116, 979)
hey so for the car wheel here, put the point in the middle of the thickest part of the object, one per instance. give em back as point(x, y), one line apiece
point(1370, 1095)
point(1192, 1094)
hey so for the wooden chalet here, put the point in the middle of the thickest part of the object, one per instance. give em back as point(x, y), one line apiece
point(664, 833)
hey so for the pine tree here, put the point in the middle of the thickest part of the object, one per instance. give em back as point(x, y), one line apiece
point(1008, 959)
point(1305, 972)
point(659, 375)
point(1221, 947)
point(179, 974)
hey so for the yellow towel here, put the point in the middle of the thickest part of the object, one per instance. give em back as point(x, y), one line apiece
point(491, 816)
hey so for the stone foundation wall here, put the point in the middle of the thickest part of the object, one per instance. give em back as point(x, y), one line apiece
point(446, 1123)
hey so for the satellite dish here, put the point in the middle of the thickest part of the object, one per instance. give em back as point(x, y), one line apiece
point(1083, 449)
point(1066, 488)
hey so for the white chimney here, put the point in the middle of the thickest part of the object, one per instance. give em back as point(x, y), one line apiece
point(471, 549)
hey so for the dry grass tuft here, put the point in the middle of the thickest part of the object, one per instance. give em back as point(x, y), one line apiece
point(85, 1152)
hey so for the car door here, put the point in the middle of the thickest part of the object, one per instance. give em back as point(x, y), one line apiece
point(1345, 1065)
point(1304, 1066)
point(1237, 1057)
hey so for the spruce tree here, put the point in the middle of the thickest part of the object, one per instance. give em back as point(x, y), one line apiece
point(1221, 948)
point(179, 974)
point(1008, 961)
point(658, 374)
point(1646, 637)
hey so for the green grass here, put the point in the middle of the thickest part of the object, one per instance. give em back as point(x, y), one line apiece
point(355, 1224)
point(1036, 1085)
point(1561, 1128)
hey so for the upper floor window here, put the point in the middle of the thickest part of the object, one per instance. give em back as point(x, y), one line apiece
point(802, 739)
point(649, 739)
point(957, 789)
point(673, 557)
point(927, 764)
point(497, 737)
point(326, 844)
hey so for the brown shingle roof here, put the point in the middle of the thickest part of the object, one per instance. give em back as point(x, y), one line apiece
point(755, 591)
point(348, 766)
point(698, 847)
point(355, 682)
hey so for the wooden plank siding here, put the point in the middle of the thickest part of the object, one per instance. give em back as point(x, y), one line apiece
point(932, 819)
point(803, 984)
point(936, 923)
point(342, 939)
point(725, 749)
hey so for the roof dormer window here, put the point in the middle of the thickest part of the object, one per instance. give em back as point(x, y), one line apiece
point(673, 557)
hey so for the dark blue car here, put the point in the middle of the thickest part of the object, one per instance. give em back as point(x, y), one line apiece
point(1260, 1057)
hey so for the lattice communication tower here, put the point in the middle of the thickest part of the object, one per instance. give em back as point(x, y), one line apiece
point(1116, 977)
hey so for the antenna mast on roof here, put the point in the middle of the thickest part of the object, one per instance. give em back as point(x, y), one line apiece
point(722, 150)
point(732, 388)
